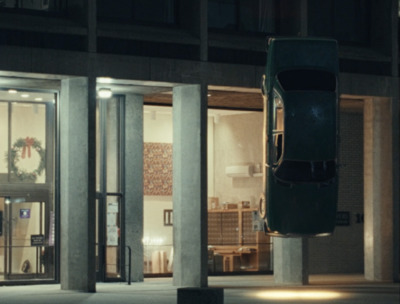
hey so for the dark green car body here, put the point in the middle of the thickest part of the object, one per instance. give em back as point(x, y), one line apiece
point(300, 91)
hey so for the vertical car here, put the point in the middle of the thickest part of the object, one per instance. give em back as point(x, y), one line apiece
point(300, 89)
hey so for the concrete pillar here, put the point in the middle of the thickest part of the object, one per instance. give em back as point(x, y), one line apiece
point(77, 178)
point(378, 199)
point(291, 260)
point(134, 182)
point(190, 185)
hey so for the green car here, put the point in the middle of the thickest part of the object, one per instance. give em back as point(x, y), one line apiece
point(300, 89)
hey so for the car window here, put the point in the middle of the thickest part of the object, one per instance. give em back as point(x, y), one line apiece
point(307, 80)
point(278, 128)
point(306, 171)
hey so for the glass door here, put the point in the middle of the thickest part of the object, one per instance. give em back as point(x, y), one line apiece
point(28, 239)
point(27, 185)
point(110, 199)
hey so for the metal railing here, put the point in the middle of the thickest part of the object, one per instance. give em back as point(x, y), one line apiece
point(129, 264)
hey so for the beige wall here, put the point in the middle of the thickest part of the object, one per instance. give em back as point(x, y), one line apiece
point(238, 140)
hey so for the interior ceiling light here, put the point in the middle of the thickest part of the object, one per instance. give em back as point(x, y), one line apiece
point(38, 98)
point(104, 80)
point(12, 91)
point(25, 95)
point(105, 93)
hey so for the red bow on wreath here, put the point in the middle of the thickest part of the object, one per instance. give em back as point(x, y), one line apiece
point(28, 144)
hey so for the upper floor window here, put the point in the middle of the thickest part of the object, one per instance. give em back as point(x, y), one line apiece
point(239, 15)
point(34, 5)
point(148, 12)
point(349, 22)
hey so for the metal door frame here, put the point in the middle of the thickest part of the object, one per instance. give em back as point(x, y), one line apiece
point(47, 192)
point(102, 194)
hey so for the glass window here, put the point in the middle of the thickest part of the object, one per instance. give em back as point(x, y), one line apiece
point(28, 142)
point(37, 5)
point(239, 15)
point(222, 14)
point(158, 206)
point(306, 171)
point(4, 141)
point(137, 11)
point(278, 129)
point(113, 143)
point(27, 237)
point(154, 11)
point(347, 21)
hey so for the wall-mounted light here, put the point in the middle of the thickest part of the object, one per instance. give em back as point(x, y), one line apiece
point(105, 93)
point(16, 200)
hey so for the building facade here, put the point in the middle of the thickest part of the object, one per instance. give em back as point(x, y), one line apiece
point(88, 180)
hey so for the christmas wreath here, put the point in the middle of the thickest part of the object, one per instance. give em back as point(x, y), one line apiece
point(22, 149)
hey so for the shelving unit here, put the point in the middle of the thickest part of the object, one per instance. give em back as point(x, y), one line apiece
point(233, 244)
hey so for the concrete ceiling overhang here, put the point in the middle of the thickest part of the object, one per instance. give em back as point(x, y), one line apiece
point(160, 93)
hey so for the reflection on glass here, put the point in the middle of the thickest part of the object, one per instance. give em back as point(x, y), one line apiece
point(113, 248)
point(98, 147)
point(4, 140)
point(27, 245)
point(36, 5)
point(28, 142)
point(113, 144)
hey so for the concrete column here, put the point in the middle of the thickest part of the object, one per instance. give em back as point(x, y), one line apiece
point(378, 200)
point(291, 260)
point(78, 268)
point(190, 185)
point(134, 182)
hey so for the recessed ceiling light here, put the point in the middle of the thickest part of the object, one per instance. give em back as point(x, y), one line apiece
point(104, 80)
point(38, 98)
point(105, 93)
point(12, 91)
point(25, 95)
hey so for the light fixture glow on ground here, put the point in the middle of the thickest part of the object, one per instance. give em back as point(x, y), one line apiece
point(298, 295)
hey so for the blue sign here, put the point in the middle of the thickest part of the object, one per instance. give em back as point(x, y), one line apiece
point(24, 213)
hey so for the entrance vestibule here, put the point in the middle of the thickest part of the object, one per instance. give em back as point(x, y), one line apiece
point(27, 191)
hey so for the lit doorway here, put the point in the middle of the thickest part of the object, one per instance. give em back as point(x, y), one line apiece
point(28, 237)
point(27, 186)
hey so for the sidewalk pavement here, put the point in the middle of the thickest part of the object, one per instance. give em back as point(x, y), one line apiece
point(248, 289)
